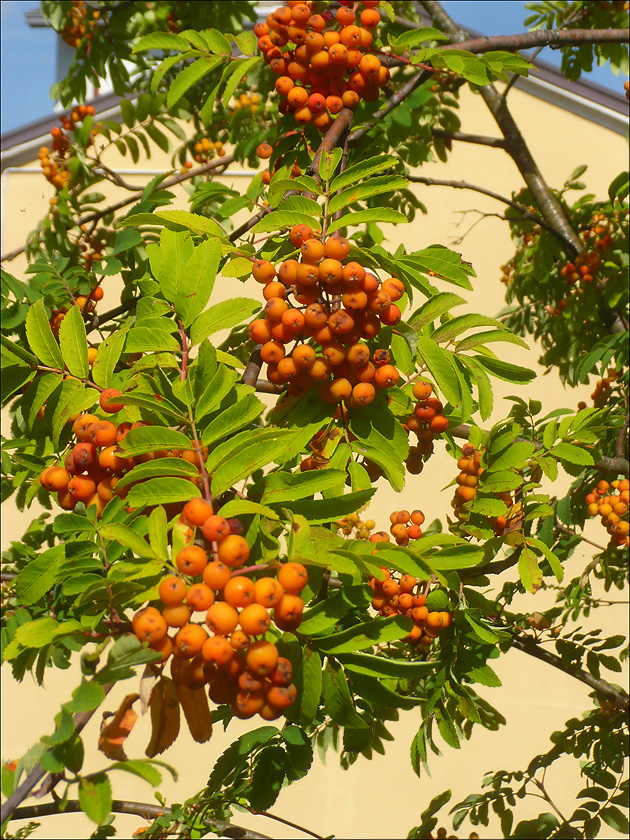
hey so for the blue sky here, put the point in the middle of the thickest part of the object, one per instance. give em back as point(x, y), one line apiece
point(28, 55)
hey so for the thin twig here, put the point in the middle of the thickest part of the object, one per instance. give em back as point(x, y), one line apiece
point(532, 648)
point(464, 137)
point(141, 809)
point(465, 185)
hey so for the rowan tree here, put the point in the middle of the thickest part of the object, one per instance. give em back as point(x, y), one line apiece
point(212, 541)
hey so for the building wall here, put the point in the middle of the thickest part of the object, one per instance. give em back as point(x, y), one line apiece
point(381, 798)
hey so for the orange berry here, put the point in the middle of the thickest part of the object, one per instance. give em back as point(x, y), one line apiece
point(222, 618)
point(261, 658)
point(254, 620)
point(200, 597)
point(233, 550)
point(191, 560)
point(172, 590)
point(189, 641)
point(216, 574)
point(239, 591)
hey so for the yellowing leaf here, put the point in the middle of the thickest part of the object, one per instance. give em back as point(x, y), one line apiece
point(116, 731)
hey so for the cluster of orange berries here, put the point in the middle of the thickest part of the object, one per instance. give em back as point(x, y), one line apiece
point(52, 164)
point(241, 667)
point(86, 303)
point(265, 151)
point(79, 26)
point(404, 527)
point(172, 21)
point(426, 422)
point(612, 508)
point(603, 389)
point(468, 480)
point(204, 151)
point(339, 306)
point(328, 69)
point(94, 466)
point(402, 596)
point(250, 102)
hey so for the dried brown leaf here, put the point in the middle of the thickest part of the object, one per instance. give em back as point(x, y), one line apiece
point(164, 707)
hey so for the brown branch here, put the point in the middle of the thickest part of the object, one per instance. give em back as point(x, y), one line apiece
point(168, 182)
point(464, 185)
point(141, 809)
point(530, 646)
point(401, 94)
point(540, 38)
point(249, 224)
point(479, 139)
point(38, 772)
point(621, 444)
point(263, 386)
point(516, 147)
point(342, 123)
point(605, 464)
point(252, 369)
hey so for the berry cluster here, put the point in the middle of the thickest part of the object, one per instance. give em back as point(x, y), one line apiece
point(79, 26)
point(612, 508)
point(95, 464)
point(52, 165)
point(264, 152)
point(403, 596)
point(603, 389)
point(202, 151)
point(328, 69)
point(426, 421)
point(338, 307)
point(405, 526)
point(241, 667)
point(468, 480)
point(86, 303)
point(249, 102)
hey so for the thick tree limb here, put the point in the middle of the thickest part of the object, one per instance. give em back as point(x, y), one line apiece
point(605, 464)
point(541, 38)
point(530, 646)
point(142, 809)
point(38, 772)
point(252, 368)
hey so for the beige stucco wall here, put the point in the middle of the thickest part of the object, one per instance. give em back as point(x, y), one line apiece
point(381, 798)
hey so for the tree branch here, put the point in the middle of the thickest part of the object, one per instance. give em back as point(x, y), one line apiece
point(479, 139)
point(168, 182)
point(38, 772)
point(532, 648)
point(621, 444)
point(401, 94)
point(342, 123)
point(464, 185)
point(539, 38)
point(142, 809)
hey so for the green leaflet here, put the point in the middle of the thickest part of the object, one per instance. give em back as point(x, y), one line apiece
point(437, 361)
point(73, 343)
point(189, 75)
point(158, 467)
point(366, 635)
point(337, 698)
point(359, 192)
point(196, 284)
point(487, 337)
point(288, 487)
point(40, 337)
point(433, 308)
point(238, 69)
point(456, 326)
point(235, 417)
point(251, 457)
point(356, 173)
point(107, 357)
point(35, 579)
point(222, 316)
point(278, 220)
point(152, 439)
